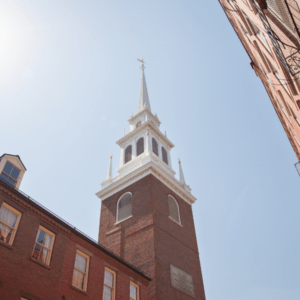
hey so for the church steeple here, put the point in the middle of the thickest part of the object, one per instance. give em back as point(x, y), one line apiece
point(144, 97)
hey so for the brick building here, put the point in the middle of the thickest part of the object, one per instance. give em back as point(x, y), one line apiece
point(44, 257)
point(270, 31)
point(147, 247)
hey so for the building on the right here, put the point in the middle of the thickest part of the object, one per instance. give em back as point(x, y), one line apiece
point(270, 33)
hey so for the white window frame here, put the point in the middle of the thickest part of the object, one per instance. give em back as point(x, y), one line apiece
point(86, 273)
point(117, 216)
point(177, 210)
point(50, 250)
point(12, 238)
point(137, 291)
point(113, 289)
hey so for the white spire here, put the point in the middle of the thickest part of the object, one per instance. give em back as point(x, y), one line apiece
point(181, 177)
point(109, 173)
point(144, 98)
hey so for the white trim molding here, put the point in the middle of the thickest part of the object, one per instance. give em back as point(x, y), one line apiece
point(142, 171)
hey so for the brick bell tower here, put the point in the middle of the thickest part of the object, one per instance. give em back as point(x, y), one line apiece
point(146, 213)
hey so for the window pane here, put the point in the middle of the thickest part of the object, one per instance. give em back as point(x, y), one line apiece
point(78, 279)
point(8, 167)
point(44, 238)
point(40, 253)
point(15, 173)
point(133, 292)
point(109, 278)
point(80, 262)
point(8, 217)
point(5, 233)
point(107, 293)
point(173, 209)
point(125, 207)
point(7, 179)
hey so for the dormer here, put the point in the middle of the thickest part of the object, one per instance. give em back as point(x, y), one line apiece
point(12, 169)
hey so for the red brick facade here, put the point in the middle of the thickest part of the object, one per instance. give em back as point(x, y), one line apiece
point(22, 276)
point(151, 240)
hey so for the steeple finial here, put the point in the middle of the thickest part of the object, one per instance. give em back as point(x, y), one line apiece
point(144, 98)
point(181, 177)
point(109, 173)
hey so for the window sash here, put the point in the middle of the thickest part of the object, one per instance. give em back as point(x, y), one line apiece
point(13, 229)
point(136, 296)
point(76, 282)
point(106, 287)
point(40, 254)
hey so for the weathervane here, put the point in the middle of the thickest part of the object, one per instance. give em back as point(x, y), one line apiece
point(142, 61)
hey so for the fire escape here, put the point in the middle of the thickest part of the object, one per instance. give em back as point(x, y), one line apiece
point(289, 55)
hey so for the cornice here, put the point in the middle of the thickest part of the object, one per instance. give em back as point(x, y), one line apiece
point(146, 110)
point(147, 169)
point(36, 211)
point(136, 131)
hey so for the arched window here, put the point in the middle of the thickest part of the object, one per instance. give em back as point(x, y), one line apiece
point(154, 146)
point(128, 154)
point(173, 209)
point(138, 124)
point(124, 207)
point(164, 155)
point(140, 146)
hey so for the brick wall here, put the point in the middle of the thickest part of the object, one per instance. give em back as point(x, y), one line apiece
point(151, 240)
point(21, 276)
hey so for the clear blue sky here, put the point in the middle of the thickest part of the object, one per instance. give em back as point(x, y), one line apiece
point(69, 80)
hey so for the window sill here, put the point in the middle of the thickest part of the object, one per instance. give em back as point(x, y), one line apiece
point(78, 290)
point(123, 220)
point(40, 263)
point(6, 245)
point(175, 221)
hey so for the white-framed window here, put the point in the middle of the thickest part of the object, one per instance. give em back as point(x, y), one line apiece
point(138, 124)
point(109, 285)
point(43, 246)
point(10, 173)
point(81, 269)
point(9, 222)
point(174, 213)
point(124, 207)
point(134, 291)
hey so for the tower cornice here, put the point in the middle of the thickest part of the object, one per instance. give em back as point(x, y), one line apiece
point(145, 125)
point(147, 111)
point(141, 172)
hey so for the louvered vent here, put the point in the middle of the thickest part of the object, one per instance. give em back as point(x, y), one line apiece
point(173, 209)
point(140, 147)
point(125, 207)
point(128, 153)
point(164, 155)
point(154, 146)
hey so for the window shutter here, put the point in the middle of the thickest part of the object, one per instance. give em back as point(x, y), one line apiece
point(173, 209)
point(154, 146)
point(164, 155)
point(140, 146)
point(125, 207)
point(128, 153)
